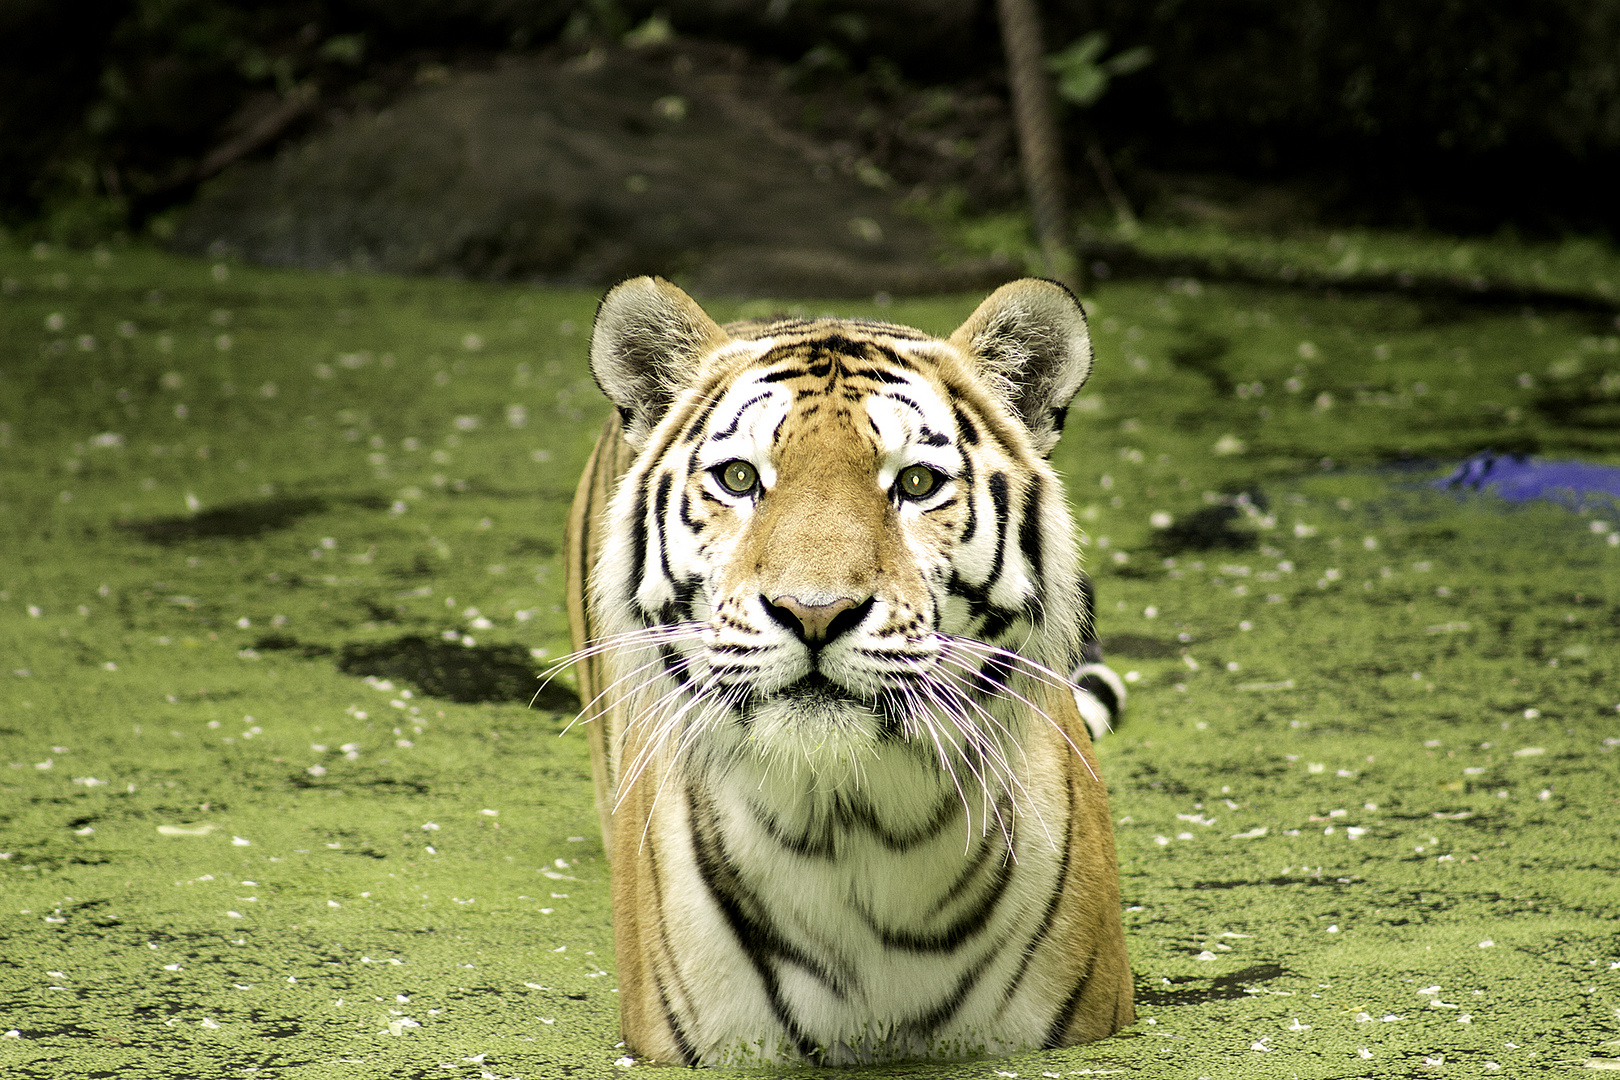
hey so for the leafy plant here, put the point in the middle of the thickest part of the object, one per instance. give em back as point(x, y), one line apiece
point(1083, 78)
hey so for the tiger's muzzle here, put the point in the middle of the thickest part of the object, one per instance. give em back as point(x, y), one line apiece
point(818, 624)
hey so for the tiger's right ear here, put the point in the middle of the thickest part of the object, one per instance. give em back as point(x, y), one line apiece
point(1030, 342)
point(647, 344)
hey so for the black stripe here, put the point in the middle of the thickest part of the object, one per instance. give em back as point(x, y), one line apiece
point(683, 1045)
point(660, 514)
point(1044, 929)
point(1030, 534)
point(930, 1021)
point(998, 498)
point(819, 839)
point(813, 843)
point(960, 587)
point(992, 620)
point(1098, 687)
point(688, 1054)
point(972, 524)
point(838, 343)
point(1060, 1022)
point(672, 664)
point(996, 621)
point(1059, 417)
point(679, 609)
point(710, 394)
point(904, 400)
point(957, 933)
point(736, 419)
point(969, 433)
point(687, 519)
point(880, 375)
point(965, 878)
point(887, 329)
point(638, 542)
point(759, 940)
point(994, 675)
point(1090, 648)
point(890, 355)
point(701, 420)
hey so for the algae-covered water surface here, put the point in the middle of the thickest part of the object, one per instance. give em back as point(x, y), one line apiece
point(278, 567)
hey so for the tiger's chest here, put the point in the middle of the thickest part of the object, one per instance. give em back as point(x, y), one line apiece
point(863, 923)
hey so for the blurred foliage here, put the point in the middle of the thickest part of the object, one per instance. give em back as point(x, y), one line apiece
point(1459, 74)
point(1454, 114)
point(1083, 78)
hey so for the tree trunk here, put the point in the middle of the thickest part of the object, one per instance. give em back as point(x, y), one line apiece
point(1040, 151)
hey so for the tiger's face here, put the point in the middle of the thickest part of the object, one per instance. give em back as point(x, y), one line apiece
point(839, 534)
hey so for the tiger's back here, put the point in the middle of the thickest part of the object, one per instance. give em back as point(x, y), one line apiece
point(821, 576)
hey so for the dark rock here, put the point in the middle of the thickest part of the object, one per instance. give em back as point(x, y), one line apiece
point(582, 171)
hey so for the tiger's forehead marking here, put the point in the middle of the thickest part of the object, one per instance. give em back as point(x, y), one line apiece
point(864, 377)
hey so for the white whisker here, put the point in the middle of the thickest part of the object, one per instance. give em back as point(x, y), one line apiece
point(990, 747)
point(661, 726)
point(1012, 775)
point(985, 763)
point(678, 753)
point(1055, 681)
point(603, 695)
point(626, 643)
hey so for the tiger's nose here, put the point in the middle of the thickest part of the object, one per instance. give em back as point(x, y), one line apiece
point(818, 624)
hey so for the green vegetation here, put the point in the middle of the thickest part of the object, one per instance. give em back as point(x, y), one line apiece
point(272, 544)
point(1576, 271)
point(1577, 267)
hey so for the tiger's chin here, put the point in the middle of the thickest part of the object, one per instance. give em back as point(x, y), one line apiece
point(814, 728)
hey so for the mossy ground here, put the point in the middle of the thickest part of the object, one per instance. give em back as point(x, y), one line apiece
point(1367, 787)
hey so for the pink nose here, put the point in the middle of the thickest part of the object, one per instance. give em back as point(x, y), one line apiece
point(814, 623)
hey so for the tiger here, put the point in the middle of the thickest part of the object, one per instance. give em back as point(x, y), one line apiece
point(823, 586)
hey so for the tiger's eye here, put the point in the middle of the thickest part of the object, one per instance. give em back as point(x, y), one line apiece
point(738, 477)
point(917, 481)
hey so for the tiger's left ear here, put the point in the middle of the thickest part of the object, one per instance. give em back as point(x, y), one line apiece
point(646, 346)
point(1030, 341)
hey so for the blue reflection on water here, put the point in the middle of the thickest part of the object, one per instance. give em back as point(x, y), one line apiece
point(1518, 478)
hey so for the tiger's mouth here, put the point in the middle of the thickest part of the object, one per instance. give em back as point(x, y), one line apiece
point(816, 688)
point(814, 693)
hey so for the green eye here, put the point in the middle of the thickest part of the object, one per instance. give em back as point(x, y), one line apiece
point(738, 477)
point(917, 481)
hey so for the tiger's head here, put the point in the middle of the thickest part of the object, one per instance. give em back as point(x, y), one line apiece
point(838, 534)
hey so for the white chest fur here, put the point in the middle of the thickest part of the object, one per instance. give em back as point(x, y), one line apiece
point(858, 922)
